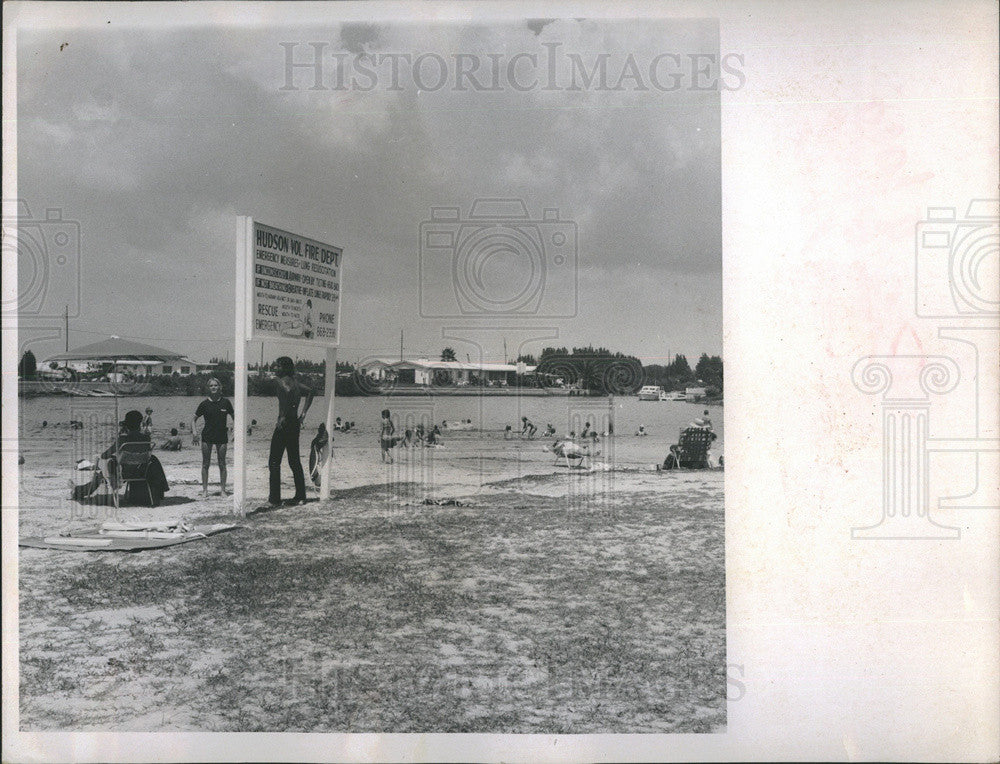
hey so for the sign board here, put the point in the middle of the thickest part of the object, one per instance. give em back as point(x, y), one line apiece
point(294, 288)
point(287, 289)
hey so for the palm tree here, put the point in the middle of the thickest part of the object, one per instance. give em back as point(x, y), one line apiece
point(448, 354)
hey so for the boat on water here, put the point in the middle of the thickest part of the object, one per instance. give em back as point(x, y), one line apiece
point(657, 393)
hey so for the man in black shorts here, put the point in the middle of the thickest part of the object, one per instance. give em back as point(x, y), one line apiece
point(214, 409)
point(286, 432)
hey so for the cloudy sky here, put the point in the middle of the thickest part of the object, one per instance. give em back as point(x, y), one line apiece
point(155, 139)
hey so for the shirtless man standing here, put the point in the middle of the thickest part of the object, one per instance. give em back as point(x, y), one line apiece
point(286, 432)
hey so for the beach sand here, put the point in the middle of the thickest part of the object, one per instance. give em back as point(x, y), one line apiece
point(540, 599)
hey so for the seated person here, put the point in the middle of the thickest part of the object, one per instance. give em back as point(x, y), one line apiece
point(434, 437)
point(173, 443)
point(133, 440)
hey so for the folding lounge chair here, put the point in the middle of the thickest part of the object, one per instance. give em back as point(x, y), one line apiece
point(691, 450)
point(134, 473)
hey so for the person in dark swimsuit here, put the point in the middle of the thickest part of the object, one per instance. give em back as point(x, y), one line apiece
point(214, 410)
point(286, 432)
point(386, 439)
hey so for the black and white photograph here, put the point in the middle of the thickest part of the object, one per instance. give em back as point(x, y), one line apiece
point(501, 381)
point(474, 486)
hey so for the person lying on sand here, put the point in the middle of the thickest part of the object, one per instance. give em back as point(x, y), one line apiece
point(567, 449)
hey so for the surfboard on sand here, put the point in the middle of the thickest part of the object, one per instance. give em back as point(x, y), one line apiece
point(121, 540)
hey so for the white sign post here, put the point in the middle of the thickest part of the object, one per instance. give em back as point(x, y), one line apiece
point(287, 288)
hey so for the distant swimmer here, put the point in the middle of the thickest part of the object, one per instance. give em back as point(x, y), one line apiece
point(702, 422)
point(528, 428)
point(45, 423)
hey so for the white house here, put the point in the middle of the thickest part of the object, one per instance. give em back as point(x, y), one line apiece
point(127, 357)
point(425, 372)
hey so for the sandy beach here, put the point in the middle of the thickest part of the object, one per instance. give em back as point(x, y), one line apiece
point(480, 586)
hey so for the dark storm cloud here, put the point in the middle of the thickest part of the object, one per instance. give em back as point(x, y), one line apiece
point(155, 140)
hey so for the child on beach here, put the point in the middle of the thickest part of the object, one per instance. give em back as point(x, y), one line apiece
point(528, 427)
point(386, 440)
point(642, 430)
point(508, 433)
point(549, 430)
point(214, 410)
point(147, 421)
point(173, 443)
point(318, 453)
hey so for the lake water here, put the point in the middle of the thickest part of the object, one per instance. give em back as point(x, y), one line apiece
point(662, 419)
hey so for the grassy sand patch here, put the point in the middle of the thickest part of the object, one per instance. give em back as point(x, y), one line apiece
point(523, 613)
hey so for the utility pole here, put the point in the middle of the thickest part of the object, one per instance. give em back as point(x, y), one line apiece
point(67, 328)
point(505, 350)
point(401, 344)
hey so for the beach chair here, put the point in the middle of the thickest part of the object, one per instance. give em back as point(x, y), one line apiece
point(134, 473)
point(691, 450)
